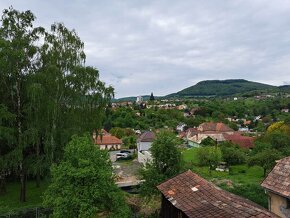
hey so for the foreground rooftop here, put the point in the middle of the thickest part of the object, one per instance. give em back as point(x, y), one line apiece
point(196, 197)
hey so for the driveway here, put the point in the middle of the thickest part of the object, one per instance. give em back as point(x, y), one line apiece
point(113, 154)
point(127, 171)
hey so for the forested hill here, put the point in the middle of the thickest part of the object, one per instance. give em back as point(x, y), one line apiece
point(223, 88)
point(219, 88)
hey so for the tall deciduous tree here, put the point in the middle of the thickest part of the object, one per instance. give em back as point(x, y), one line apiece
point(18, 59)
point(209, 156)
point(6, 139)
point(44, 82)
point(266, 159)
point(166, 162)
point(82, 184)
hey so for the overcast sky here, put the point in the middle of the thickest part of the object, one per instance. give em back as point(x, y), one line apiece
point(143, 46)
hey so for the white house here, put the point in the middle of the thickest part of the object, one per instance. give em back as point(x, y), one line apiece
point(139, 99)
point(143, 145)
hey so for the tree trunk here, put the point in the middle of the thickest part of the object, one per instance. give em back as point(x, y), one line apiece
point(2, 186)
point(22, 173)
point(37, 178)
point(23, 184)
point(38, 170)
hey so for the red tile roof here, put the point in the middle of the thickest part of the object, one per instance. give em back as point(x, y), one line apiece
point(182, 134)
point(218, 127)
point(147, 136)
point(108, 140)
point(278, 180)
point(242, 141)
point(196, 197)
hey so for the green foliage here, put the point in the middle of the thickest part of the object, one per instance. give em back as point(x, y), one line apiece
point(208, 142)
point(209, 156)
point(130, 141)
point(166, 156)
point(222, 88)
point(10, 203)
point(265, 159)
point(190, 156)
point(82, 184)
point(49, 92)
point(232, 154)
point(166, 162)
point(278, 139)
point(253, 192)
point(275, 139)
point(152, 97)
point(121, 132)
point(260, 146)
point(149, 118)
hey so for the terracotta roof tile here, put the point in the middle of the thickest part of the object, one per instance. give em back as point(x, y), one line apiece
point(197, 197)
point(108, 140)
point(242, 141)
point(147, 136)
point(278, 180)
point(217, 127)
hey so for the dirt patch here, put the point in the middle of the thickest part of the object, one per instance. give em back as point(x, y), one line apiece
point(126, 170)
point(220, 182)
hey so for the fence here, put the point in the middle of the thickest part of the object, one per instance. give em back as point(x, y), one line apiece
point(38, 212)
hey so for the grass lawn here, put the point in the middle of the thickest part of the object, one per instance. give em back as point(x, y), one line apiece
point(245, 181)
point(10, 201)
point(189, 155)
point(241, 174)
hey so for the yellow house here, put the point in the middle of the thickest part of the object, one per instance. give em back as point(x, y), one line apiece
point(277, 186)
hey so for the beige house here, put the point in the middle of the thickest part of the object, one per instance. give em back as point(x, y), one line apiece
point(106, 141)
point(216, 131)
point(277, 186)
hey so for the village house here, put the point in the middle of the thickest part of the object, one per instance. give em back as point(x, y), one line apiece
point(246, 142)
point(277, 186)
point(106, 141)
point(213, 130)
point(189, 195)
point(143, 146)
point(181, 107)
point(219, 132)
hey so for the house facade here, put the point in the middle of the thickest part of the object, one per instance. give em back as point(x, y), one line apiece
point(107, 141)
point(144, 143)
point(277, 186)
point(218, 132)
point(213, 130)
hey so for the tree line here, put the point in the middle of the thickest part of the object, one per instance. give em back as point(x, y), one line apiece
point(47, 95)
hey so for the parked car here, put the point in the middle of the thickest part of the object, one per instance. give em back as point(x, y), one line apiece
point(123, 156)
point(126, 152)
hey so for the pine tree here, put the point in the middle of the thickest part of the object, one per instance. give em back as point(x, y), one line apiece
point(152, 97)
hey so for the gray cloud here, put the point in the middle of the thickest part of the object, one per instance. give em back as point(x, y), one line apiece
point(165, 46)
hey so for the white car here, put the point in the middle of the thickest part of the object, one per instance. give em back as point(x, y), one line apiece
point(122, 156)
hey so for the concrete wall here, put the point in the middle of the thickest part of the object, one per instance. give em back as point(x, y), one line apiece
point(278, 205)
point(144, 146)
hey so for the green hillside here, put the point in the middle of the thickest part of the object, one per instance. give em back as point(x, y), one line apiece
point(222, 88)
